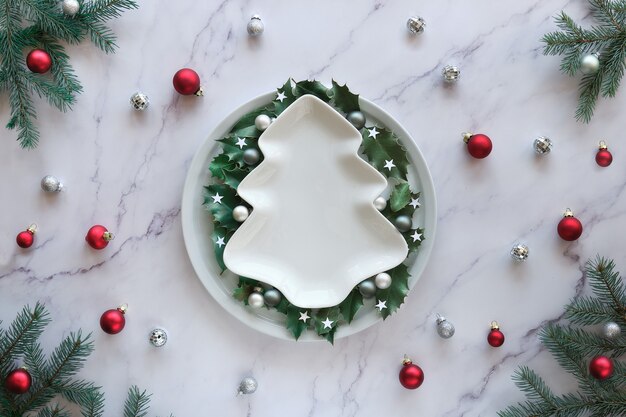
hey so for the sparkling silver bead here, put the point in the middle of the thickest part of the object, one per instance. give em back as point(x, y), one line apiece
point(519, 252)
point(542, 145)
point(158, 337)
point(611, 330)
point(255, 26)
point(403, 223)
point(247, 386)
point(241, 213)
point(70, 7)
point(445, 329)
point(51, 184)
point(139, 101)
point(415, 25)
point(256, 300)
point(382, 281)
point(451, 73)
point(272, 297)
point(380, 203)
point(367, 288)
point(357, 119)
point(590, 64)
point(251, 156)
point(262, 122)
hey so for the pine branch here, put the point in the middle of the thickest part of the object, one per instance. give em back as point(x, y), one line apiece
point(27, 326)
point(47, 16)
point(53, 412)
point(607, 284)
point(136, 403)
point(102, 10)
point(587, 311)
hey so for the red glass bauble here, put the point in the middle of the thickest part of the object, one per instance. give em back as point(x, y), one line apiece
point(604, 158)
point(25, 239)
point(98, 237)
point(411, 375)
point(478, 145)
point(113, 321)
point(187, 82)
point(601, 367)
point(569, 228)
point(39, 61)
point(495, 337)
point(18, 381)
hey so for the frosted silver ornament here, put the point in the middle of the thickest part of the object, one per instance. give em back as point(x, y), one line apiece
point(367, 288)
point(357, 119)
point(611, 330)
point(51, 184)
point(256, 300)
point(272, 297)
point(158, 337)
point(380, 203)
point(382, 281)
point(451, 73)
point(139, 101)
point(241, 213)
point(589, 64)
point(520, 252)
point(251, 156)
point(415, 25)
point(403, 223)
point(262, 122)
point(247, 386)
point(70, 7)
point(445, 329)
point(542, 145)
point(255, 26)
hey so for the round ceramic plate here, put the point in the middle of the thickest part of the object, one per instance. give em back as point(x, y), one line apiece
point(197, 226)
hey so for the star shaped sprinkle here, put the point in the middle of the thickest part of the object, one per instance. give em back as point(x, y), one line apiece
point(220, 242)
point(381, 304)
point(373, 133)
point(241, 142)
point(415, 202)
point(416, 236)
point(389, 164)
point(328, 324)
point(281, 96)
point(217, 198)
point(304, 316)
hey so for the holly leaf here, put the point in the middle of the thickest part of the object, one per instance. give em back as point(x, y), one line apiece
point(283, 305)
point(352, 304)
point(294, 324)
point(343, 98)
point(245, 287)
point(245, 126)
point(331, 313)
point(290, 97)
point(385, 147)
point(414, 242)
point(222, 210)
point(219, 164)
point(220, 232)
point(315, 88)
point(400, 196)
point(234, 176)
point(397, 292)
point(234, 152)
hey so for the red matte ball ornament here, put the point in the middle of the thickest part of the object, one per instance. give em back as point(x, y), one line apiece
point(187, 82)
point(411, 376)
point(26, 238)
point(495, 337)
point(601, 367)
point(569, 228)
point(113, 321)
point(603, 157)
point(39, 61)
point(18, 381)
point(478, 145)
point(98, 237)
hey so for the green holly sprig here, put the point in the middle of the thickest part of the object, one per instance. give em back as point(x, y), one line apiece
point(380, 147)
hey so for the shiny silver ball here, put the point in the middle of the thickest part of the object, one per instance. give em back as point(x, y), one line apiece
point(367, 288)
point(519, 252)
point(247, 386)
point(415, 25)
point(403, 223)
point(262, 122)
point(382, 281)
point(251, 156)
point(380, 203)
point(139, 101)
point(255, 26)
point(158, 337)
point(451, 73)
point(590, 64)
point(611, 330)
point(241, 213)
point(357, 119)
point(70, 7)
point(272, 297)
point(51, 184)
point(256, 300)
point(542, 145)
point(445, 329)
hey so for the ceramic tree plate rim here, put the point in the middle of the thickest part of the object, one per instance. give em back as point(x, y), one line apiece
point(197, 227)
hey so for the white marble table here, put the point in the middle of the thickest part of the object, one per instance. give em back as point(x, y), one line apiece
point(126, 170)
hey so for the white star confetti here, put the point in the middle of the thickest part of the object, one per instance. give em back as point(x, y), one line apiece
point(381, 304)
point(415, 202)
point(217, 198)
point(389, 164)
point(281, 96)
point(328, 324)
point(416, 236)
point(220, 242)
point(373, 133)
point(241, 142)
point(304, 316)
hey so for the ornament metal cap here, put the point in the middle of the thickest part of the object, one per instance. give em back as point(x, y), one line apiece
point(255, 17)
point(406, 360)
point(440, 318)
point(200, 92)
point(32, 229)
point(602, 145)
point(467, 136)
point(568, 213)
point(494, 325)
point(108, 236)
point(123, 308)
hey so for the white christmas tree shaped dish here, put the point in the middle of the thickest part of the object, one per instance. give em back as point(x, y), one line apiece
point(314, 232)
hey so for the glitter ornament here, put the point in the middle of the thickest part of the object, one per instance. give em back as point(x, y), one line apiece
point(255, 26)
point(251, 156)
point(139, 101)
point(158, 337)
point(495, 337)
point(520, 252)
point(403, 223)
point(98, 237)
point(611, 330)
point(26, 238)
point(18, 381)
point(542, 145)
point(415, 25)
point(240, 213)
point(380, 203)
point(51, 184)
point(113, 321)
point(367, 288)
point(445, 329)
point(569, 228)
point(604, 156)
point(255, 299)
point(357, 119)
point(247, 386)
point(262, 122)
point(601, 367)
point(478, 145)
point(411, 376)
point(451, 74)
point(382, 281)
point(590, 64)
point(272, 297)
point(70, 7)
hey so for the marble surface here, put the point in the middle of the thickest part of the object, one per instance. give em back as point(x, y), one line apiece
point(126, 170)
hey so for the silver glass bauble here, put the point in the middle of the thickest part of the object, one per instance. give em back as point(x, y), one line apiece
point(367, 288)
point(382, 281)
point(415, 25)
point(139, 101)
point(403, 223)
point(51, 184)
point(158, 337)
point(445, 328)
point(380, 203)
point(256, 300)
point(590, 64)
point(520, 252)
point(70, 7)
point(357, 118)
point(611, 330)
point(272, 297)
point(262, 122)
point(542, 145)
point(451, 73)
point(240, 213)
point(251, 156)
point(255, 26)
point(247, 386)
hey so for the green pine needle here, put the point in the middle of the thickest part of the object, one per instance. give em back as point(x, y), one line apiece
point(136, 403)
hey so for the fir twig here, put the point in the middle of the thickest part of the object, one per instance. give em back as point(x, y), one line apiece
point(136, 403)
